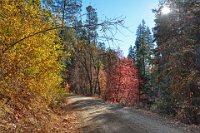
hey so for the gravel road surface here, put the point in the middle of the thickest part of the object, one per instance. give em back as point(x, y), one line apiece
point(97, 116)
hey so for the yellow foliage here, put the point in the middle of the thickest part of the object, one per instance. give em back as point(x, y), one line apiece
point(103, 82)
point(33, 64)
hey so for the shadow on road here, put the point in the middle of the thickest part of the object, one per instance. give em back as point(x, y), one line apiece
point(85, 104)
point(101, 117)
point(97, 116)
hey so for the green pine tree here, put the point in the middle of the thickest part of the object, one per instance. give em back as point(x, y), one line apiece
point(143, 57)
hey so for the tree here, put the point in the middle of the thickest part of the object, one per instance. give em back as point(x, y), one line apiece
point(131, 53)
point(31, 66)
point(177, 38)
point(143, 58)
point(123, 82)
point(67, 11)
point(143, 45)
point(91, 21)
point(91, 60)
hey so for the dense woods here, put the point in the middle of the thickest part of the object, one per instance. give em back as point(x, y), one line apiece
point(170, 69)
point(177, 65)
point(47, 48)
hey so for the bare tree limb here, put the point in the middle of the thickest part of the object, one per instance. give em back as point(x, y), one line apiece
point(104, 25)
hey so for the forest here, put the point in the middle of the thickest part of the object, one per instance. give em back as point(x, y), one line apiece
point(49, 49)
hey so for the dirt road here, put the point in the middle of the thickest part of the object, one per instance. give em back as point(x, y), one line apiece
point(96, 116)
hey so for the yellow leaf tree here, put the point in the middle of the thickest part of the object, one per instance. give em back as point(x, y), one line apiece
point(29, 62)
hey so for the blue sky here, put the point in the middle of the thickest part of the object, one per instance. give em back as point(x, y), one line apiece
point(133, 11)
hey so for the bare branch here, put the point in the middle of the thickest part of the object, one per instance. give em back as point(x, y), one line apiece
point(104, 25)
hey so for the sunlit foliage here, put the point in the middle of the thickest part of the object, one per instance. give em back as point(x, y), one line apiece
point(123, 83)
point(32, 64)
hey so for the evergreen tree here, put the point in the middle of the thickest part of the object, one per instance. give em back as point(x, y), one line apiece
point(177, 37)
point(143, 57)
point(67, 11)
point(143, 45)
point(131, 53)
point(91, 23)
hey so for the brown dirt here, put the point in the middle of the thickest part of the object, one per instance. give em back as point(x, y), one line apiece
point(21, 116)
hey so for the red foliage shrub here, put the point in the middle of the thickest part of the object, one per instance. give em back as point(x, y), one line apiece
point(123, 82)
